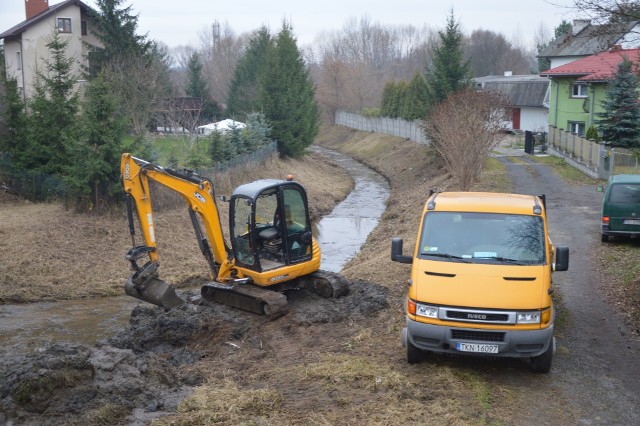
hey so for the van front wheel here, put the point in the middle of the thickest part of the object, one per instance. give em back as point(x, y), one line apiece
point(542, 362)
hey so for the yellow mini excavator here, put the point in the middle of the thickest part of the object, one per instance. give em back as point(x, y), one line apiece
point(272, 249)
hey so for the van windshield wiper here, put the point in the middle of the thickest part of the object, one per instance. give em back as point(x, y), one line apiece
point(448, 256)
point(501, 259)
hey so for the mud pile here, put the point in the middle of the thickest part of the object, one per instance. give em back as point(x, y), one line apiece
point(145, 370)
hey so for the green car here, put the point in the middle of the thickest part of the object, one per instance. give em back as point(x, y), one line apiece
point(621, 207)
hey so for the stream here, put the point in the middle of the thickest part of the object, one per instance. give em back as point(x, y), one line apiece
point(28, 327)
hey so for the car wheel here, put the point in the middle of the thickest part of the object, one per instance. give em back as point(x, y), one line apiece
point(414, 355)
point(604, 238)
point(542, 362)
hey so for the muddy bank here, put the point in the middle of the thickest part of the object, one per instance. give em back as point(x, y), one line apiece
point(145, 370)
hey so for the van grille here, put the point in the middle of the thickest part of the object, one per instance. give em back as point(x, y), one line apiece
point(485, 317)
point(483, 336)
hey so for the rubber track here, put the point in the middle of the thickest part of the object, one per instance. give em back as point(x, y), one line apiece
point(338, 284)
point(248, 297)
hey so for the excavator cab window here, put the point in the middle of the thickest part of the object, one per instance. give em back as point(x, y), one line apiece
point(272, 229)
point(297, 228)
point(241, 238)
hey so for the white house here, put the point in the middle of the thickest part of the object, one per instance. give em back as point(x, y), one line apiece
point(25, 44)
point(528, 96)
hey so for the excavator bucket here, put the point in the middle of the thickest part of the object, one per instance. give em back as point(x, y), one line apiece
point(154, 291)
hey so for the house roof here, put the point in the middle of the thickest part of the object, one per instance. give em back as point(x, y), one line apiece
point(523, 90)
point(24, 25)
point(591, 39)
point(595, 68)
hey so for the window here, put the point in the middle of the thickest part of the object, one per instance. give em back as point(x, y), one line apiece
point(18, 60)
point(579, 90)
point(64, 25)
point(483, 238)
point(577, 127)
point(83, 27)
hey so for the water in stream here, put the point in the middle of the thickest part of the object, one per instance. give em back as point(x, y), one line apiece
point(27, 327)
point(342, 233)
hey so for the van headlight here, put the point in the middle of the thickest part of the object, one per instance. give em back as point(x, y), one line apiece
point(530, 317)
point(428, 311)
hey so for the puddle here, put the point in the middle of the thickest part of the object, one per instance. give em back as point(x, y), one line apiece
point(342, 233)
point(28, 327)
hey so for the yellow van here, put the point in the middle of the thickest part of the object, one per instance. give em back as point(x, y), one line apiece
point(481, 278)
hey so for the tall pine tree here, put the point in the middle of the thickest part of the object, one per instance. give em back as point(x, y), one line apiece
point(53, 109)
point(245, 85)
point(116, 29)
point(196, 86)
point(449, 72)
point(620, 120)
point(92, 175)
point(287, 96)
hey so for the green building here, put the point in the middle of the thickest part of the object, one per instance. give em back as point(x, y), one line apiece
point(578, 88)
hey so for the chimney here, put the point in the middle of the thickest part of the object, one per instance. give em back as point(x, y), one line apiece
point(35, 7)
point(579, 25)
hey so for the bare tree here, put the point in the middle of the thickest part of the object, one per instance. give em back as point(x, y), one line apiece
point(138, 85)
point(608, 11)
point(220, 49)
point(492, 54)
point(464, 129)
point(351, 66)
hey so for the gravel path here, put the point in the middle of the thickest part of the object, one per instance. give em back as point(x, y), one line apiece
point(595, 379)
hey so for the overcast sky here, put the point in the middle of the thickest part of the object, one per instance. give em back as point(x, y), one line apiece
point(178, 22)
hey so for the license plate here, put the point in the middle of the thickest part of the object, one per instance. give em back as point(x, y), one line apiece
point(631, 222)
point(478, 348)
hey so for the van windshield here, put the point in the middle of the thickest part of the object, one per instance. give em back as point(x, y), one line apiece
point(625, 193)
point(483, 238)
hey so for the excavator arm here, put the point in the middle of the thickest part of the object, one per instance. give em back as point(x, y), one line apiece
point(198, 193)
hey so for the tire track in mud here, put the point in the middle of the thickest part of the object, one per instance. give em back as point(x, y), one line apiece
point(596, 368)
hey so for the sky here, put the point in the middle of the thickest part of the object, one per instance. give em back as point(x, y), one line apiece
point(179, 22)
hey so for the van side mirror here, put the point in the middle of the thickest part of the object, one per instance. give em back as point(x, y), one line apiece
point(396, 252)
point(562, 259)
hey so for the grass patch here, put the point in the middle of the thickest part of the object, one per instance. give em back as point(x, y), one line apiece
point(619, 268)
point(226, 403)
point(567, 172)
point(493, 177)
point(110, 414)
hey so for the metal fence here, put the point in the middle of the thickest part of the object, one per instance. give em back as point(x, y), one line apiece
point(258, 156)
point(597, 159)
point(411, 130)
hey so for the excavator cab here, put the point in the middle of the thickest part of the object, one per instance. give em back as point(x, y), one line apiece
point(269, 225)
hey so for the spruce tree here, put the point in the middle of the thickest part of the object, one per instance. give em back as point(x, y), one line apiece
point(418, 99)
point(245, 84)
point(116, 29)
point(287, 96)
point(53, 112)
point(449, 72)
point(196, 86)
point(620, 120)
point(92, 175)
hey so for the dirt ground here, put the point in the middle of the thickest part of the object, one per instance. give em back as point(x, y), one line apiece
point(326, 362)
